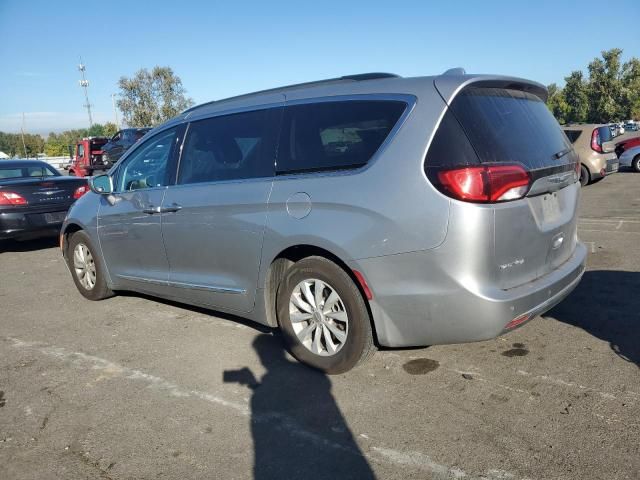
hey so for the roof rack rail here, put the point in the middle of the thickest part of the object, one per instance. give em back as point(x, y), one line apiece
point(359, 77)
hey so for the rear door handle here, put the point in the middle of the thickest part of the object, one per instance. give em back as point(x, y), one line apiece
point(174, 207)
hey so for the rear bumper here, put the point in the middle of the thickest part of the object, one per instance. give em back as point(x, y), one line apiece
point(24, 222)
point(602, 164)
point(612, 166)
point(435, 309)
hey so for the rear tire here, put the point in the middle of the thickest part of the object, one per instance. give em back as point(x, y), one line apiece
point(323, 316)
point(86, 268)
point(585, 178)
point(635, 164)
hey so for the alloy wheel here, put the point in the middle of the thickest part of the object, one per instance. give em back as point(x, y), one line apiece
point(84, 266)
point(318, 317)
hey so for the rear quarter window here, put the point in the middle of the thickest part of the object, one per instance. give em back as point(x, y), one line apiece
point(573, 135)
point(334, 135)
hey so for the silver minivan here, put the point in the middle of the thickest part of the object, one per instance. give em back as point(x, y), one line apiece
point(363, 211)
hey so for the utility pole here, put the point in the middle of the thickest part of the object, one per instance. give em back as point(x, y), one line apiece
point(115, 110)
point(84, 83)
point(24, 145)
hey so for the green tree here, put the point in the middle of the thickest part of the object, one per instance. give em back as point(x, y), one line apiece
point(605, 87)
point(575, 97)
point(557, 103)
point(631, 89)
point(110, 129)
point(152, 97)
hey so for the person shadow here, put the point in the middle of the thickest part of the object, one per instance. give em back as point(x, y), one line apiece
point(297, 427)
point(607, 305)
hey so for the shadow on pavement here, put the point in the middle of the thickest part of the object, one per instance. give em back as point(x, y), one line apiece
point(298, 430)
point(29, 245)
point(607, 305)
point(194, 308)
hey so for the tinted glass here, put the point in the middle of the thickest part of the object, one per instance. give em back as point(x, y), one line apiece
point(506, 125)
point(605, 134)
point(146, 167)
point(573, 135)
point(450, 146)
point(139, 134)
point(230, 147)
point(28, 171)
point(334, 135)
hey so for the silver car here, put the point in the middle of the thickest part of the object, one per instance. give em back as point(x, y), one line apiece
point(363, 211)
point(631, 158)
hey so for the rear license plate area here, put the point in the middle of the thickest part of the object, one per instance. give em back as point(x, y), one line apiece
point(54, 217)
point(550, 207)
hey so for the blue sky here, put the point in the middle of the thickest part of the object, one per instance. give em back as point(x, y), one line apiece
point(225, 48)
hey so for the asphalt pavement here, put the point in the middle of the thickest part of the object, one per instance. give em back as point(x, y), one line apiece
point(134, 387)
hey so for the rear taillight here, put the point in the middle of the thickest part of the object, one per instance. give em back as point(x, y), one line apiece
point(486, 183)
point(595, 141)
point(10, 198)
point(80, 191)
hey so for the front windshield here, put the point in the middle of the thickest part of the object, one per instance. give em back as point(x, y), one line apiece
point(26, 171)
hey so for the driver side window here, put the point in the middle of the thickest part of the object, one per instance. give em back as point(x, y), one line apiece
point(146, 167)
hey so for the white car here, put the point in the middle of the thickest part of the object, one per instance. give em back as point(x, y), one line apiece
point(631, 158)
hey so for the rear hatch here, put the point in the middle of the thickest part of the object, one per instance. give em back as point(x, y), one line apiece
point(535, 222)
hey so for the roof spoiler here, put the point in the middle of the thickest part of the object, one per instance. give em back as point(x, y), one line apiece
point(451, 83)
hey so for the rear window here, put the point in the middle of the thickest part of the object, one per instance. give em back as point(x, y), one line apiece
point(334, 135)
point(27, 171)
point(605, 134)
point(138, 134)
point(573, 135)
point(505, 125)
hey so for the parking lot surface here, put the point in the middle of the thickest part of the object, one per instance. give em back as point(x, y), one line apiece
point(133, 387)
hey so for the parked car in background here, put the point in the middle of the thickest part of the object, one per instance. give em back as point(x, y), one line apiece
point(323, 216)
point(631, 126)
point(593, 144)
point(88, 157)
point(121, 142)
point(631, 157)
point(34, 197)
point(626, 144)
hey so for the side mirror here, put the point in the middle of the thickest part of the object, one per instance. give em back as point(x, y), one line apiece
point(101, 184)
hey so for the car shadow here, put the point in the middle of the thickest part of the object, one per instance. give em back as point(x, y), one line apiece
point(29, 245)
point(202, 310)
point(606, 305)
point(297, 427)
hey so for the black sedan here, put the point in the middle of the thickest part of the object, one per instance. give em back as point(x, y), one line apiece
point(34, 197)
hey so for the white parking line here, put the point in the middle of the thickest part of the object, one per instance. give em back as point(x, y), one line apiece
point(390, 456)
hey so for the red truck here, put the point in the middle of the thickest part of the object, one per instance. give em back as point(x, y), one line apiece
point(88, 157)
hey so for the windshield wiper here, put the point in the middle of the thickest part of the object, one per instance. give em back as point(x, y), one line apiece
point(561, 153)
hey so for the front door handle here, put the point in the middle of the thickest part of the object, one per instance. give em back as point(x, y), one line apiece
point(174, 207)
point(151, 210)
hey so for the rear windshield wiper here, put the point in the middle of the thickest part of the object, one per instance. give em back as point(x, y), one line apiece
point(561, 153)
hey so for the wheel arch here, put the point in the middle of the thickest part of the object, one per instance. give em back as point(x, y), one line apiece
point(67, 230)
point(287, 257)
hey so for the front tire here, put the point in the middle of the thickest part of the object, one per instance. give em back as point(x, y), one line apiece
point(635, 164)
point(86, 268)
point(323, 316)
